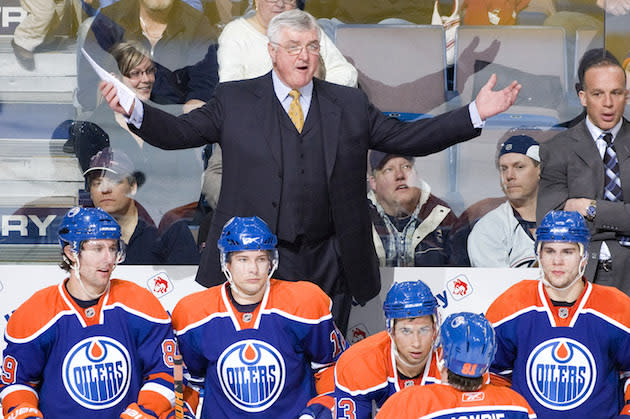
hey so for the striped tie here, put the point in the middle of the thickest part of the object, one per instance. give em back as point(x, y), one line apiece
point(295, 110)
point(612, 185)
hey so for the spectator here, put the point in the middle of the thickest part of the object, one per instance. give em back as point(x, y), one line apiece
point(585, 169)
point(259, 347)
point(91, 345)
point(113, 182)
point(243, 47)
point(504, 236)
point(411, 226)
point(305, 175)
point(492, 12)
point(179, 38)
point(559, 337)
point(468, 346)
point(43, 17)
point(177, 172)
point(377, 367)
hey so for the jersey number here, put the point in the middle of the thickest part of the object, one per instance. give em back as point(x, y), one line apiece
point(169, 350)
point(9, 368)
point(469, 369)
point(337, 341)
point(346, 409)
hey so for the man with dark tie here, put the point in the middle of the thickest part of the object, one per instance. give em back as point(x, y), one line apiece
point(295, 154)
point(587, 167)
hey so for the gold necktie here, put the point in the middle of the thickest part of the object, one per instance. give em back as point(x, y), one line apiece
point(295, 110)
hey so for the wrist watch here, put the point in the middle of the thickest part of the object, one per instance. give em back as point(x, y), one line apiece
point(591, 211)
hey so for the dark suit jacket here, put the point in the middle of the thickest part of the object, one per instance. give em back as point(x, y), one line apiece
point(573, 168)
point(240, 118)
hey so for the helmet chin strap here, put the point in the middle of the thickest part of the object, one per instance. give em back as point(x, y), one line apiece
point(577, 278)
point(234, 287)
point(76, 267)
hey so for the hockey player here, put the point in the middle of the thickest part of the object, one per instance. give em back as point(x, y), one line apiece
point(468, 347)
point(256, 345)
point(373, 369)
point(90, 346)
point(563, 341)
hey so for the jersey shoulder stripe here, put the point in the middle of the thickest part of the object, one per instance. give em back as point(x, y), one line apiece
point(610, 304)
point(366, 365)
point(138, 300)
point(197, 308)
point(301, 300)
point(37, 314)
point(518, 298)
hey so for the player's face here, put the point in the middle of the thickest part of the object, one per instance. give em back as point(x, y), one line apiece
point(519, 177)
point(295, 71)
point(141, 79)
point(414, 341)
point(97, 260)
point(395, 186)
point(249, 270)
point(604, 95)
point(560, 262)
point(112, 193)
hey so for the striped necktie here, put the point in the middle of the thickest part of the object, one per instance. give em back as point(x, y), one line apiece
point(295, 110)
point(612, 182)
point(612, 179)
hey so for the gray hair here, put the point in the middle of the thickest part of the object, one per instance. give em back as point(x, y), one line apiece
point(295, 19)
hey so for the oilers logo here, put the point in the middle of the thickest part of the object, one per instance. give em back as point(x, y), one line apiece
point(252, 374)
point(561, 373)
point(96, 372)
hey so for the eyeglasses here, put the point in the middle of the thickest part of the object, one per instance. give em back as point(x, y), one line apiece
point(312, 48)
point(137, 74)
point(283, 2)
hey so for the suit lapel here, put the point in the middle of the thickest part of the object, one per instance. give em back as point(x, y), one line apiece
point(266, 109)
point(622, 142)
point(330, 123)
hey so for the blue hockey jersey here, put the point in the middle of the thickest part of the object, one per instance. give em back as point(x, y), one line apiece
point(258, 364)
point(565, 361)
point(71, 362)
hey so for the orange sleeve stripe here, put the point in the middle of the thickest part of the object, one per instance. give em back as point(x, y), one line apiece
point(516, 298)
point(325, 400)
point(302, 299)
point(154, 401)
point(603, 298)
point(136, 297)
point(196, 307)
point(35, 313)
point(325, 380)
point(18, 397)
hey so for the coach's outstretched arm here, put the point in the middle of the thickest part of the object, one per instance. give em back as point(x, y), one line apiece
point(490, 102)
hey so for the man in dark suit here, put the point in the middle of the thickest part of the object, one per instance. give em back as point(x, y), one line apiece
point(307, 182)
point(579, 172)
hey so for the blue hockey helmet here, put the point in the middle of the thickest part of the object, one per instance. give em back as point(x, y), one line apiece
point(80, 224)
point(409, 299)
point(246, 233)
point(563, 226)
point(468, 344)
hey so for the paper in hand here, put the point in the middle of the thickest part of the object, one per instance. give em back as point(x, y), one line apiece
point(126, 96)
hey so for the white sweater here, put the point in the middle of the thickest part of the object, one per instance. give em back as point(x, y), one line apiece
point(243, 54)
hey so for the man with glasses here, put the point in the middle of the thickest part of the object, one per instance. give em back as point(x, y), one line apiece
point(91, 346)
point(295, 154)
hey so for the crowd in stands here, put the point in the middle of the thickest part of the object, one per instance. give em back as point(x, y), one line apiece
point(247, 121)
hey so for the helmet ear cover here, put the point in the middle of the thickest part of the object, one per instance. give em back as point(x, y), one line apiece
point(468, 344)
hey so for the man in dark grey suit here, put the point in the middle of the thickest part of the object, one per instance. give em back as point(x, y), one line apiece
point(579, 172)
point(307, 182)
